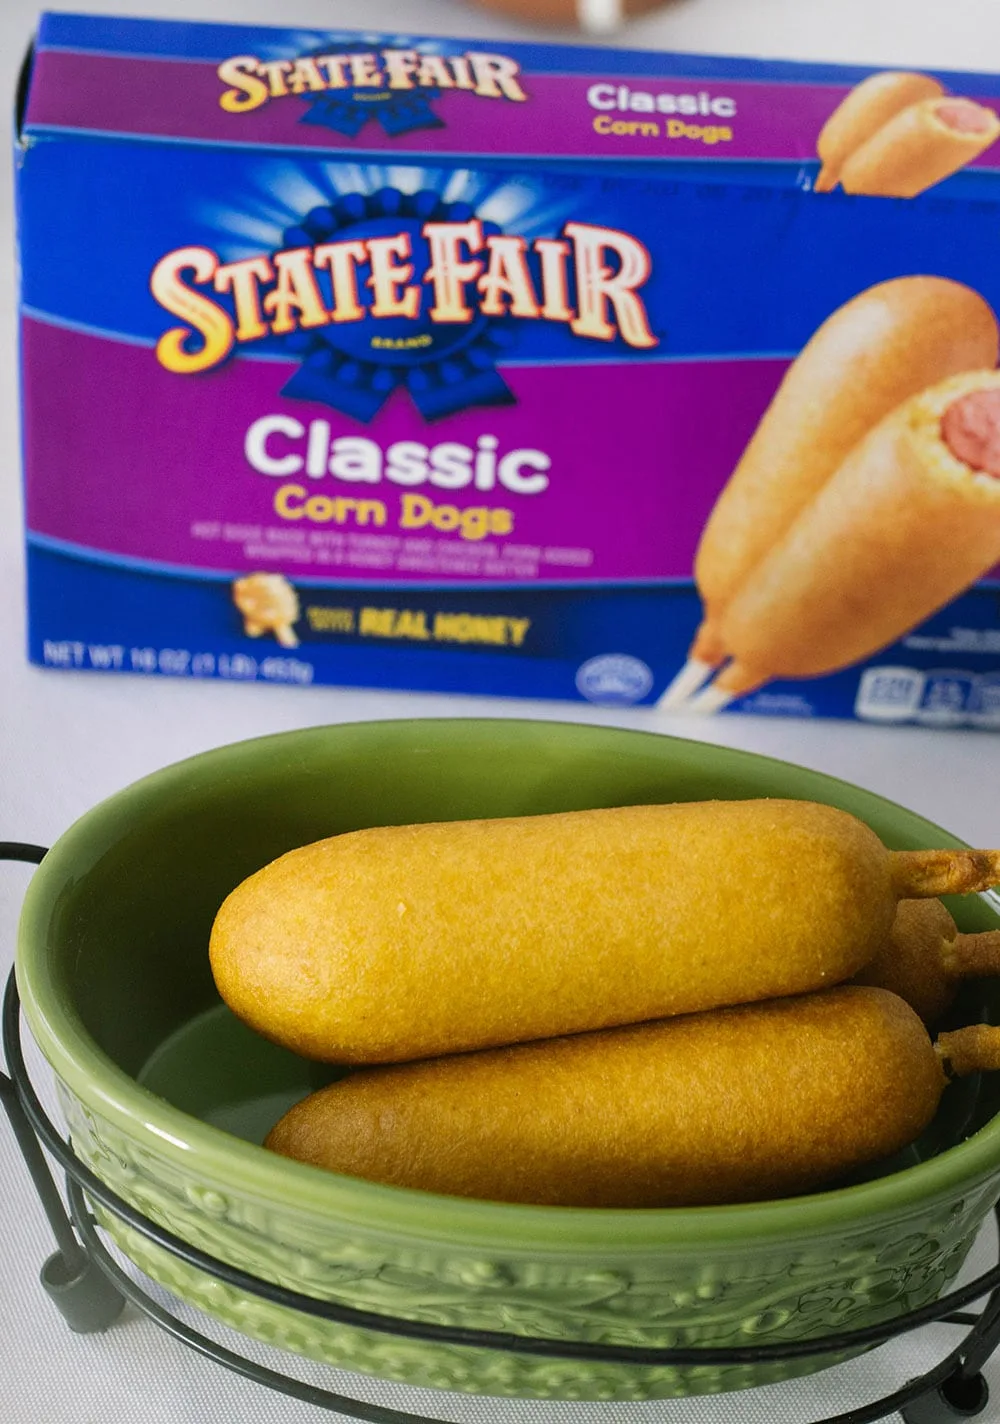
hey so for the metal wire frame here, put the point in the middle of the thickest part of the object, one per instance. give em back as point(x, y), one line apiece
point(952, 1389)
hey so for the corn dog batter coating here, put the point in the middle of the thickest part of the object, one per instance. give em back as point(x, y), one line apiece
point(919, 147)
point(269, 604)
point(925, 958)
point(885, 345)
point(730, 1105)
point(404, 942)
point(901, 529)
point(862, 113)
point(973, 1049)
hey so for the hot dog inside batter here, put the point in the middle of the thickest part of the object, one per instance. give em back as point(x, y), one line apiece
point(970, 428)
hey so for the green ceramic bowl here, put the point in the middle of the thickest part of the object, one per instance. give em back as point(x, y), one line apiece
point(167, 1096)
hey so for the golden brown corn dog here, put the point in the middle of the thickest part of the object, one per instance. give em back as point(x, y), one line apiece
point(269, 604)
point(974, 1049)
point(925, 958)
point(880, 348)
point(405, 942)
point(919, 147)
point(728, 1105)
point(910, 519)
point(862, 113)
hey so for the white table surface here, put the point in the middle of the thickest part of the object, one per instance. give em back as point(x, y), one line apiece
point(69, 739)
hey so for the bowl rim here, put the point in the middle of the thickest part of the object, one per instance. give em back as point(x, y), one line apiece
point(190, 1144)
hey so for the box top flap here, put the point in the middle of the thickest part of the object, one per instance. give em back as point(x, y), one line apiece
point(352, 93)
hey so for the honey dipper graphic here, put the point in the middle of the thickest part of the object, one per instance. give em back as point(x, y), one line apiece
point(269, 604)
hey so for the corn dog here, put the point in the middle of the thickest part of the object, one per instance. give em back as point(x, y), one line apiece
point(911, 518)
point(269, 604)
point(974, 1049)
point(880, 348)
point(925, 958)
point(919, 147)
point(862, 113)
point(728, 1105)
point(405, 942)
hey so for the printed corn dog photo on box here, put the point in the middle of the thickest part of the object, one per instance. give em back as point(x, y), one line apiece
point(882, 346)
point(897, 134)
point(920, 147)
point(435, 364)
point(908, 521)
point(857, 118)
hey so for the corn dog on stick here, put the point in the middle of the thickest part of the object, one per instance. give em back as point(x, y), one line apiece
point(694, 673)
point(911, 518)
point(405, 942)
point(728, 1105)
point(880, 348)
point(923, 873)
point(919, 147)
point(862, 113)
point(926, 957)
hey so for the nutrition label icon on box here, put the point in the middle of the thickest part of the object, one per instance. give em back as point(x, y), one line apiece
point(948, 697)
point(889, 694)
point(984, 706)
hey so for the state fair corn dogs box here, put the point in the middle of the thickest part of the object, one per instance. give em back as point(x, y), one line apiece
point(526, 370)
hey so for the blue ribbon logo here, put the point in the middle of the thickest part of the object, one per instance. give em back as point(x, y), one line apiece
point(355, 367)
point(348, 110)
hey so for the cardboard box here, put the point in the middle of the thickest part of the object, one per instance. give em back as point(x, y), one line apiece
point(428, 364)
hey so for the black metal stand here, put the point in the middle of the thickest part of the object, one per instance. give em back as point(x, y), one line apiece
point(90, 1288)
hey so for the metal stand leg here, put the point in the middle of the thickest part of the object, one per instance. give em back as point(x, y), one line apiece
point(965, 1392)
point(957, 1398)
point(83, 1293)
